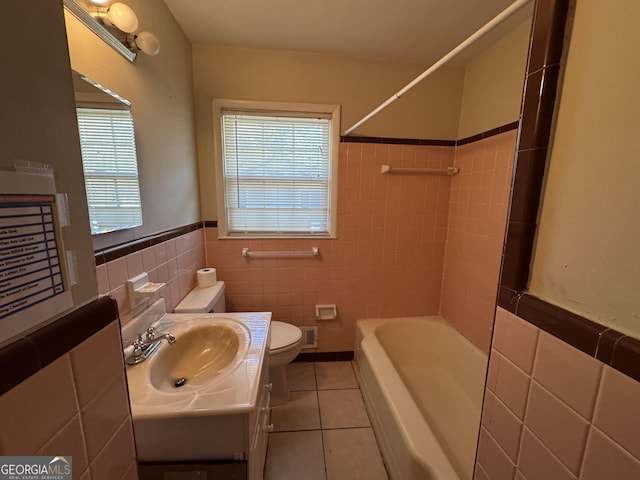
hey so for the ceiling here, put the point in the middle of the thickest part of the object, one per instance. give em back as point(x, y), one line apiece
point(402, 30)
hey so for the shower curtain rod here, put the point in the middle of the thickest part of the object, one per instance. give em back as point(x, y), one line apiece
point(506, 13)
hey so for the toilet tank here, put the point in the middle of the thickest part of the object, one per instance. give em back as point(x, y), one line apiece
point(203, 300)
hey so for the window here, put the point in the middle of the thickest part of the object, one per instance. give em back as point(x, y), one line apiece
point(110, 168)
point(276, 169)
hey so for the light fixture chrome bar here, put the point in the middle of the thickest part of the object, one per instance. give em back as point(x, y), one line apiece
point(92, 24)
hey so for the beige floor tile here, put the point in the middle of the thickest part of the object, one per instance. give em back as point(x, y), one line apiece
point(295, 456)
point(299, 413)
point(334, 375)
point(301, 376)
point(352, 454)
point(342, 409)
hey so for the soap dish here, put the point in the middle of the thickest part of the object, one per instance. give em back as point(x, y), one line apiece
point(140, 287)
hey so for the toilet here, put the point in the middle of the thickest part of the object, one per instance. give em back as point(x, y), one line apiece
point(285, 344)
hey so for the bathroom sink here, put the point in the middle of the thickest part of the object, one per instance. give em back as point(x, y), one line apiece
point(222, 358)
point(212, 368)
point(200, 354)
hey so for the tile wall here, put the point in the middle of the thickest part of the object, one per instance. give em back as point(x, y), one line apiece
point(79, 402)
point(552, 411)
point(173, 262)
point(393, 232)
point(386, 261)
point(476, 225)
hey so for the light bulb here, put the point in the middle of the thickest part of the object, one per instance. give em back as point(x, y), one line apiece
point(122, 17)
point(147, 42)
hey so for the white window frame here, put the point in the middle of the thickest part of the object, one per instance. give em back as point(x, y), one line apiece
point(283, 109)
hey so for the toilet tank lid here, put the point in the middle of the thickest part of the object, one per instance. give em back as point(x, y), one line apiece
point(283, 334)
point(201, 299)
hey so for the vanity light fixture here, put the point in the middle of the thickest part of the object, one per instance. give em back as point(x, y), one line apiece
point(145, 42)
point(116, 24)
point(118, 15)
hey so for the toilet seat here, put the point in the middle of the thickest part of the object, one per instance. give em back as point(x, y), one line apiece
point(283, 336)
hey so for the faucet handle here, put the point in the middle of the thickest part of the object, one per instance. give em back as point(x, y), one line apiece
point(151, 333)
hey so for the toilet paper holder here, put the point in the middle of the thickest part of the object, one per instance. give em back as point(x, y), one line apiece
point(326, 312)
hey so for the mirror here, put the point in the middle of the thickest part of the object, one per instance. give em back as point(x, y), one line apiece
point(109, 159)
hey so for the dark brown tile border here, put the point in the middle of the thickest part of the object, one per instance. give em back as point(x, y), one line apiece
point(611, 347)
point(489, 133)
point(210, 224)
point(442, 143)
point(397, 141)
point(325, 357)
point(108, 254)
point(26, 356)
point(550, 20)
point(569, 327)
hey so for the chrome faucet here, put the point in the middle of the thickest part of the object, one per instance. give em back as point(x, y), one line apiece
point(143, 348)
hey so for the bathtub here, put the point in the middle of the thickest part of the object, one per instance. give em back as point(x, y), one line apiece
point(422, 384)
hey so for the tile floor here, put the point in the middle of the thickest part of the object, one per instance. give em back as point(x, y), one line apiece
point(323, 432)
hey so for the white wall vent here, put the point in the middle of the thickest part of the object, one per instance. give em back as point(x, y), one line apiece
point(309, 337)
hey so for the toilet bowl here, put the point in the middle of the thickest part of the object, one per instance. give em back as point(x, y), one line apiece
point(285, 345)
point(286, 339)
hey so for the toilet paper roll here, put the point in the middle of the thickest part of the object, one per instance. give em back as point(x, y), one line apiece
point(207, 277)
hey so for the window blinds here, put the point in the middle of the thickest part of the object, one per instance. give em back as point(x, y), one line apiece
point(276, 173)
point(110, 168)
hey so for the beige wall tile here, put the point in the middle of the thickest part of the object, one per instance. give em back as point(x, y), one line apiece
point(103, 279)
point(560, 428)
point(69, 441)
point(503, 425)
point(102, 416)
point(117, 272)
point(116, 457)
point(132, 472)
point(618, 409)
point(557, 362)
point(134, 264)
point(493, 459)
point(515, 339)
point(37, 409)
point(536, 462)
point(96, 361)
point(480, 474)
point(606, 459)
point(509, 383)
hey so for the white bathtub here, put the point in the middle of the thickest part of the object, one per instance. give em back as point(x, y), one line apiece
point(422, 384)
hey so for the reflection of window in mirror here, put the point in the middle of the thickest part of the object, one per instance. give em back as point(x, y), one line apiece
point(109, 158)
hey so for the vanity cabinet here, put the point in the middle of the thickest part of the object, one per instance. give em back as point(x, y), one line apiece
point(229, 446)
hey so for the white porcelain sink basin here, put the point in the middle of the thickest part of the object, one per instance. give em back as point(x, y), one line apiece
point(200, 354)
point(219, 356)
